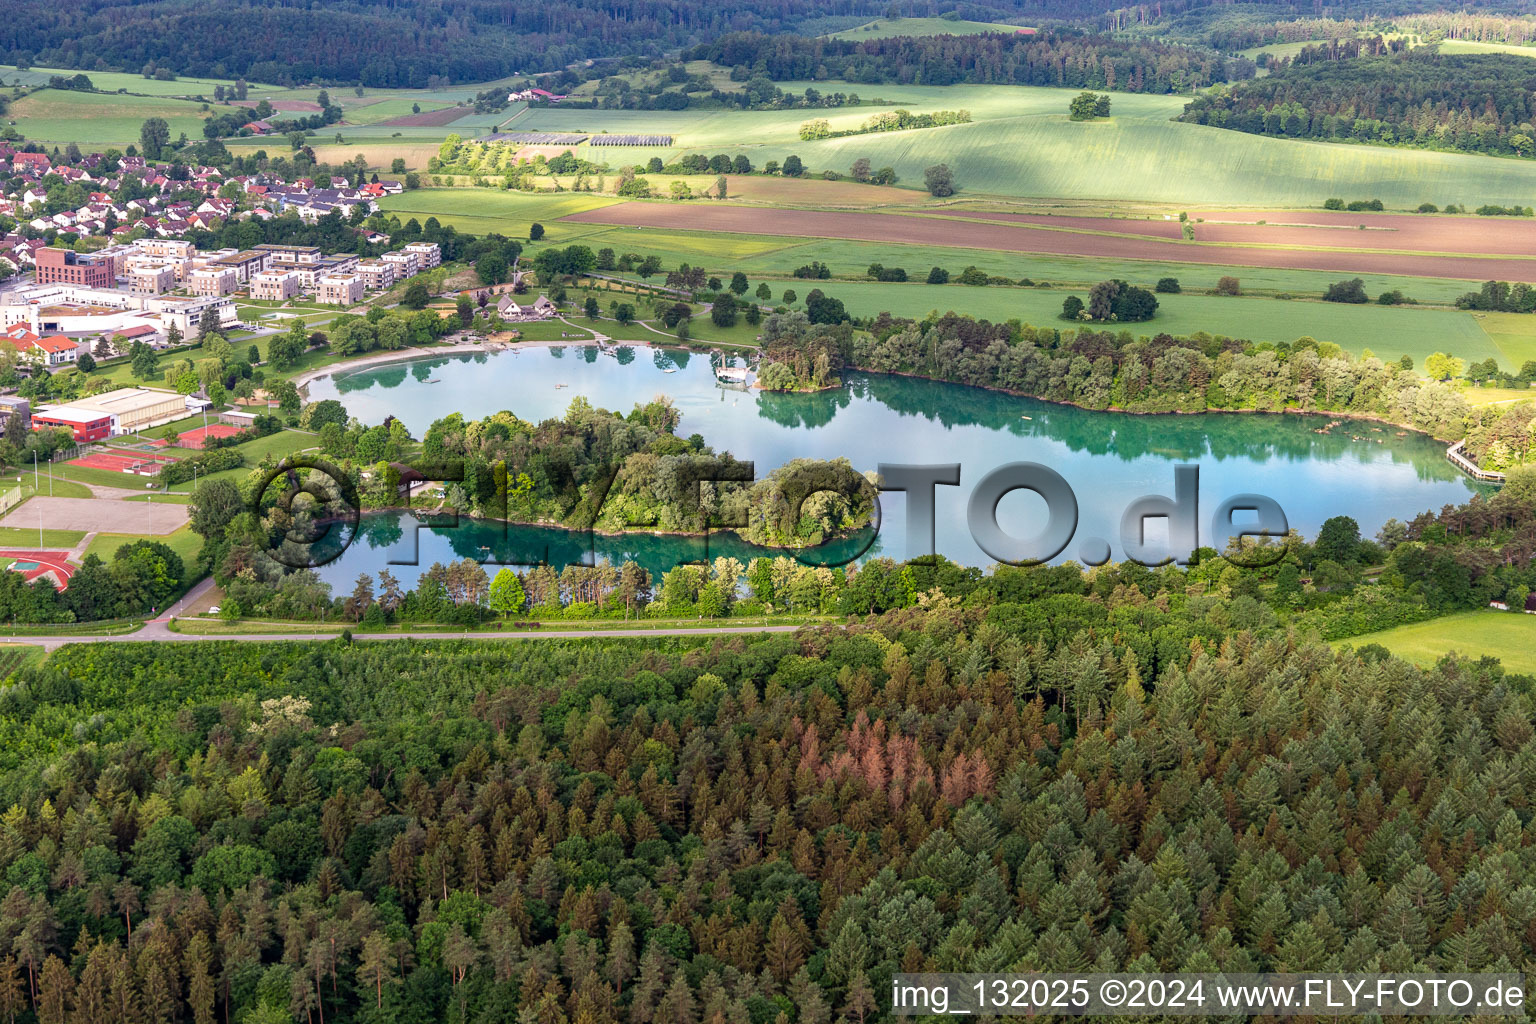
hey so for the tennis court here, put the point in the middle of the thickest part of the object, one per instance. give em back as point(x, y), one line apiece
point(142, 465)
point(195, 438)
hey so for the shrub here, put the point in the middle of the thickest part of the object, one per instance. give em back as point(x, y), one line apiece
point(1352, 291)
point(938, 275)
point(1228, 285)
point(1167, 286)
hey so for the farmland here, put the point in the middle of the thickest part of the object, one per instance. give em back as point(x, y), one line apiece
point(883, 227)
point(1139, 153)
point(90, 119)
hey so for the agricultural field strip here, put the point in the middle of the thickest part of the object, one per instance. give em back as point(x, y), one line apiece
point(1413, 233)
point(894, 229)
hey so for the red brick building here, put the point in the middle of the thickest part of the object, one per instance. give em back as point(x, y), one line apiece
point(67, 267)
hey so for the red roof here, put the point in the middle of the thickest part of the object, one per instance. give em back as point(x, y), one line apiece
point(57, 343)
point(31, 158)
point(134, 332)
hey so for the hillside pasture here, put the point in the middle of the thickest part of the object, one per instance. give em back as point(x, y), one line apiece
point(1508, 636)
point(1021, 143)
point(100, 120)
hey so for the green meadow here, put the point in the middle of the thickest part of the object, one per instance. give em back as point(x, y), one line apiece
point(95, 119)
point(1388, 331)
point(1021, 143)
point(1508, 636)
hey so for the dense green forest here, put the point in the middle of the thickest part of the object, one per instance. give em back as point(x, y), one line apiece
point(1032, 770)
point(1067, 59)
point(1475, 102)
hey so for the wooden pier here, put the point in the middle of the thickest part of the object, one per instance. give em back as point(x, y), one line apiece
point(1456, 453)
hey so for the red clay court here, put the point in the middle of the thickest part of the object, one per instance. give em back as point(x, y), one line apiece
point(32, 564)
point(143, 465)
point(194, 438)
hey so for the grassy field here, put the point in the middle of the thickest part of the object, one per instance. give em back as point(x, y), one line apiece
point(884, 27)
point(1387, 331)
point(1514, 334)
point(1504, 635)
point(112, 81)
point(91, 119)
point(1467, 46)
point(183, 541)
point(1022, 144)
point(482, 210)
point(21, 537)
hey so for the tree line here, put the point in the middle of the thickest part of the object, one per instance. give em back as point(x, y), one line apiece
point(1061, 58)
point(1478, 103)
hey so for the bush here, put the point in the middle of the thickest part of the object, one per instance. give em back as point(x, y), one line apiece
point(939, 180)
point(972, 276)
point(1428, 208)
point(1228, 285)
point(938, 275)
point(1167, 286)
point(1392, 298)
point(1364, 204)
point(1352, 291)
point(1333, 204)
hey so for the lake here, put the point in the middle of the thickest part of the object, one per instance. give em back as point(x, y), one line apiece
point(1359, 469)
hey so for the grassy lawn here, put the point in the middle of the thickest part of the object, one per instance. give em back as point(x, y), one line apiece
point(21, 537)
point(1504, 635)
point(1498, 396)
point(62, 488)
point(1513, 333)
point(111, 81)
point(183, 541)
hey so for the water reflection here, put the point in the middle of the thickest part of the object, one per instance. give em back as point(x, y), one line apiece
point(1358, 468)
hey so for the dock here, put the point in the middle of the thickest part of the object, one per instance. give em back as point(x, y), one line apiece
point(1457, 454)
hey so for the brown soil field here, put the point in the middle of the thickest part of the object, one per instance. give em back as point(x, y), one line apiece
point(292, 106)
point(426, 119)
point(1491, 236)
point(1013, 237)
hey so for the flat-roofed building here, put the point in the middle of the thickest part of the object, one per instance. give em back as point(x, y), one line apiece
point(406, 264)
point(173, 248)
point(12, 405)
point(246, 264)
point(151, 278)
point(376, 274)
point(124, 410)
point(427, 252)
point(213, 281)
point(276, 285)
point(68, 267)
point(290, 253)
point(340, 289)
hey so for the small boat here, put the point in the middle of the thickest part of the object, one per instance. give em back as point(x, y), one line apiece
point(670, 369)
point(562, 385)
point(1026, 417)
point(433, 380)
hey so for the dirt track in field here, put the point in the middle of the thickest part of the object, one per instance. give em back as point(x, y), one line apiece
point(1493, 236)
point(1019, 237)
